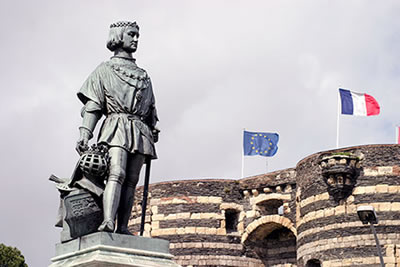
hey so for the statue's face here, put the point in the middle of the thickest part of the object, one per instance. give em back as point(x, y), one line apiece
point(130, 39)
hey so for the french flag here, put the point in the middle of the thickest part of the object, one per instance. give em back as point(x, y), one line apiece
point(358, 104)
point(398, 135)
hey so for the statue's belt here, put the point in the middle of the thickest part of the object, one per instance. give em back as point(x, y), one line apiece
point(128, 116)
point(138, 121)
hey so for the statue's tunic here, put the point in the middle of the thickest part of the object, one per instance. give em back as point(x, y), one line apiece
point(123, 93)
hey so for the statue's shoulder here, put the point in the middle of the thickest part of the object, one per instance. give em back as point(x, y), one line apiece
point(103, 66)
point(126, 69)
point(102, 71)
point(141, 72)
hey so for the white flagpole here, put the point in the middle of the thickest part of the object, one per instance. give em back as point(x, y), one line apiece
point(242, 176)
point(266, 161)
point(338, 120)
point(397, 135)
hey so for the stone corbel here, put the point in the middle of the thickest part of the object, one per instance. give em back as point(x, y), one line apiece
point(340, 172)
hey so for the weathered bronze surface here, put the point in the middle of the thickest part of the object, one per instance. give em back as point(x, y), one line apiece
point(122, 92)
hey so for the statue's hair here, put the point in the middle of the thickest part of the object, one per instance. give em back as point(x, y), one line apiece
point(116, 33)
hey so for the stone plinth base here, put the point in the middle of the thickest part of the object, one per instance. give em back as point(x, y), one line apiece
point(107, 249)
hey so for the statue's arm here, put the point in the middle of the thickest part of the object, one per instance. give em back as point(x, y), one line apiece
point(90, 116)
point(152, 117)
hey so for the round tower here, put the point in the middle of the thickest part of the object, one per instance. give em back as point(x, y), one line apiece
point(331, 185)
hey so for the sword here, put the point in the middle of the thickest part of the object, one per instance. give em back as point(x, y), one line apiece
point(145, 193)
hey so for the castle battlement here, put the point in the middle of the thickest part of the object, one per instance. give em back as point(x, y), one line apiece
point(294, 217)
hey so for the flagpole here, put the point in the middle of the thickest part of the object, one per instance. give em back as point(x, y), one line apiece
point(338, 120)
point(397, 135)
point(266, 161)
point(242, 174)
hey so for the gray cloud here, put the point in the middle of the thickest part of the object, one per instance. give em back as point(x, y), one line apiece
point(217, 67)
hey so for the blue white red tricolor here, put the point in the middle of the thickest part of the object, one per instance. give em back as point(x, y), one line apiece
point(398, 135)
point(358, 104)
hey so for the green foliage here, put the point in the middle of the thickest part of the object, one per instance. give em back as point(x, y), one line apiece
point(227, 190)
point(11, 257)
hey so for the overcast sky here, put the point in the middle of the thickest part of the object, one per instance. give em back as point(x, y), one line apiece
point(217, 67)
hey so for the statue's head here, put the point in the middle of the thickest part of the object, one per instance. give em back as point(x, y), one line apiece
point(123, 34)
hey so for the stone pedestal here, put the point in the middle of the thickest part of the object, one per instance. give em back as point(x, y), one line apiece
point(82, 214)
point(108, 249)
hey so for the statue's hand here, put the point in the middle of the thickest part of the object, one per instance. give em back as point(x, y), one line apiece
point(155, 133)
point(82, 145)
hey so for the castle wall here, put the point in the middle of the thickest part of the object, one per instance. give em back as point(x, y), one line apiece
point(286, 218)
point(191, 215)
point(330, 230)
point(270, 231)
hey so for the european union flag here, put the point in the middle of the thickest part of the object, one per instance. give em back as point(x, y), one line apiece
point(262, 144)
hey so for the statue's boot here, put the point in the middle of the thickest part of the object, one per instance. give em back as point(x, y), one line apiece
point(125, 209)
point(111, 198)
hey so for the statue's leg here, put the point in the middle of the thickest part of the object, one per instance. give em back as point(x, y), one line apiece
point(112, 192)
point(135, 163)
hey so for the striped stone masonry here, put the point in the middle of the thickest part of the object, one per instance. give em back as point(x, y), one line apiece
point(331, 231)
point(273, 221)
point(284, 218)
point(191, 222)
point(217, 260)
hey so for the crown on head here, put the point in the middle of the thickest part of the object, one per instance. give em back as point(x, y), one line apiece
point(124, 24)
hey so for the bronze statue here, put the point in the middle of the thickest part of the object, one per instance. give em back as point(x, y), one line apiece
point(122, 92)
